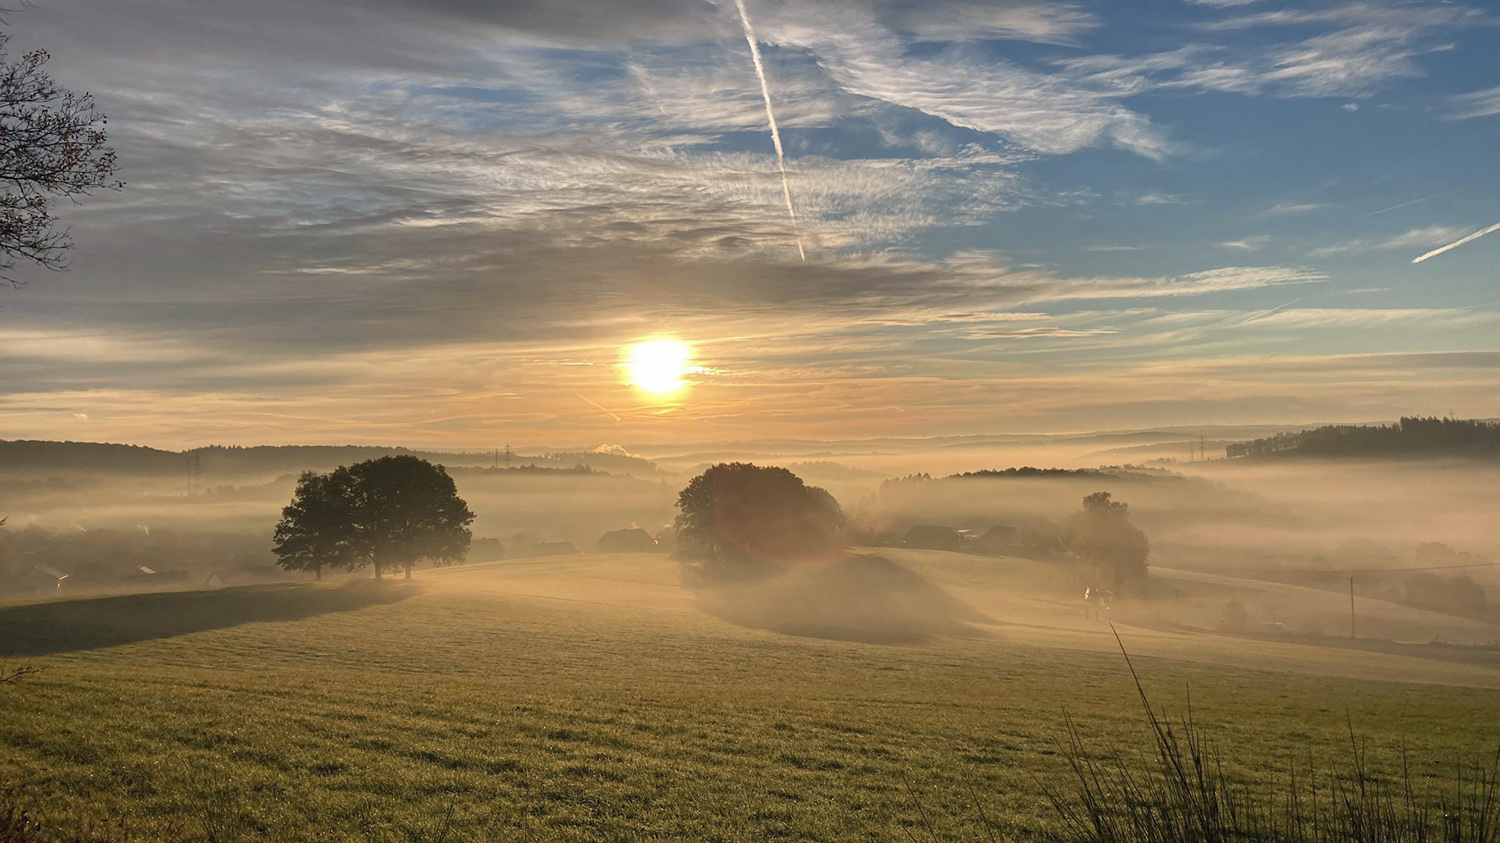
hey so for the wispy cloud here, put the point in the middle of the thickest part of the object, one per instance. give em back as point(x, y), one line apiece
point(1049, 113)
point(1159, 199)
point(1418, 237)
point(1285, 209)
point(1246, 244)
point(1358, 47)
point(1042, 333)
point(1484, 103)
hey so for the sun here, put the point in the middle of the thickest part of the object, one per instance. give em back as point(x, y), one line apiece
point(658, 366)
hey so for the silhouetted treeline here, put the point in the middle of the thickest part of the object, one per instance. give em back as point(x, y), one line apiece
point(897, 490)
point(1420, 436)
point(42, 457)
point(1127, 472)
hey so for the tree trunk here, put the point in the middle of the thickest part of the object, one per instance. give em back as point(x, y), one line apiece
point(318, 572)
point(408, 572)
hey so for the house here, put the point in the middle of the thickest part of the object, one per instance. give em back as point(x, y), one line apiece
point(43, 580)
point(1001, 540)
point(551, 549)
point(626, 541)
point(249, 575)
point(933, 537)
point(146, 579)
point(486, 550)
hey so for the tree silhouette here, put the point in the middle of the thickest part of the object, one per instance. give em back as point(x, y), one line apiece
point(385, 513)
point(742, 519)
point(408, 509)
point(314, 531)
point(52, 144)
point(1103, 536)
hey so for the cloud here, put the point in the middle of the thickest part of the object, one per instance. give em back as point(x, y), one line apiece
point(379, 220)
point(1041, 333)
point(1286, 209)
point(1159, 199)
point(1358, 46)
point(1484, 103)
point(1246, 244)
point(1311, 317)
point(1048, 113)
point(1431, 235)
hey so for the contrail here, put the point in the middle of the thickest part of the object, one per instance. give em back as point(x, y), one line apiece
point(1451, 246)
point(765, 92)
point(600, 407)
point(1403, 205)
point(1264, 313)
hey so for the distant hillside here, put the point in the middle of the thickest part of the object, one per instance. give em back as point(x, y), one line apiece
point(42, 458)
point(1409, 437)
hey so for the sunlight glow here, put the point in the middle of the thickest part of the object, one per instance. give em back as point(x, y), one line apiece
point(658, 366)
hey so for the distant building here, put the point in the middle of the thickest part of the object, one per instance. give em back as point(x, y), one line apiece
point(147, 579)
point(626, 541)
point(43, 580)
point(933, 537)
point(249, 575)
point(551, 549)
point(1001, 540)
point(486, 550)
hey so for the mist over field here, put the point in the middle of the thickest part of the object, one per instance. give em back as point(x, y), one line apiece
point(435, 421)
point(1307, 523)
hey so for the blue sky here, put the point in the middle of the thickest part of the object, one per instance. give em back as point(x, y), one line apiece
point(444, 223)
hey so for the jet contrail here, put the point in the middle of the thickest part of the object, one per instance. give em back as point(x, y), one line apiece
point(600, 407)
point(1403, 205)
point(1472, 237)
point(765, 92)
point(1264, 313)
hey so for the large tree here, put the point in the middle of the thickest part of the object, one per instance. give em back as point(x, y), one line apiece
point(315, 528)
point(743, 519)
point(409, 509)
point(52, 147)
point(390, 512)
point(1102, 535)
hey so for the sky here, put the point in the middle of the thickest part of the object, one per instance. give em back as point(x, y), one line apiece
point(446, 223)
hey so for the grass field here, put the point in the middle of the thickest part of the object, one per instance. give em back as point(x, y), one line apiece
point(591, 698)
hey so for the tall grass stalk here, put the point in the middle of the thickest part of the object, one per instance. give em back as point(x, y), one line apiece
point(1183, 793)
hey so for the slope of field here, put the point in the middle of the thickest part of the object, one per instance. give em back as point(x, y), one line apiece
point(594, 698)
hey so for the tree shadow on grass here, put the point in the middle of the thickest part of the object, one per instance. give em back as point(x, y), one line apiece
point(63, 626)
point(868, 599)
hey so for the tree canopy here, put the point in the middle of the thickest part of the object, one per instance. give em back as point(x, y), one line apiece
point(746, 518)
point(389, 512)
point(1102, 536)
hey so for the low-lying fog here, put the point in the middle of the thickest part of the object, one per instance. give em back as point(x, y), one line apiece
point(1309, 523)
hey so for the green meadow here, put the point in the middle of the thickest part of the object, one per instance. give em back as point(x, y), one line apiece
point(595, 698)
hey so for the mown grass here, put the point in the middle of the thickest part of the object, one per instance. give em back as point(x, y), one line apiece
point(591, 719)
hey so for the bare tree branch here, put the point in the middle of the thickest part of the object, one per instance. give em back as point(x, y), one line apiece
point(52, 145)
